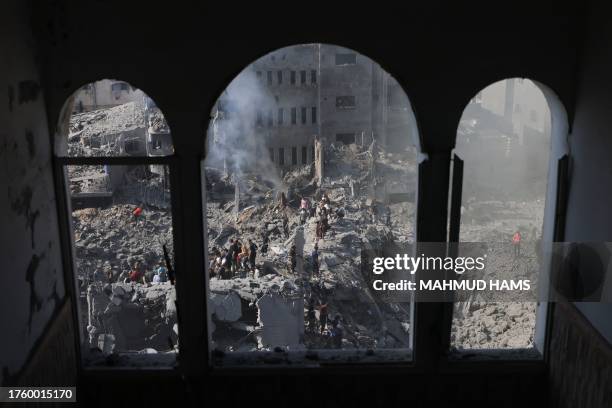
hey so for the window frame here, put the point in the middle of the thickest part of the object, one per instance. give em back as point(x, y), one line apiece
point(64, 209)
point(431, 321)
point(553, 227)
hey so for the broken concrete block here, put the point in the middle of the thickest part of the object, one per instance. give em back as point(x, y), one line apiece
point(106, 343)
point(226, 307)
point(117, 300)
point(281, 319)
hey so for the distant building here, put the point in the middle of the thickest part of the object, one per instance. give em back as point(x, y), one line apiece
point(519, 103)
point(105, 93)
point(319, 89)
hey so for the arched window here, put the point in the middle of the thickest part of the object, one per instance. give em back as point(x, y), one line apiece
point(296, 209)
point(509, 143)
point(112, 146)
point(110, 118)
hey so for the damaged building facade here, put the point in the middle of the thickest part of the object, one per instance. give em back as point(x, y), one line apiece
point(319, 90)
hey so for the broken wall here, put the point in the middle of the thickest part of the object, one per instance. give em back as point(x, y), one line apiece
point(29, 237)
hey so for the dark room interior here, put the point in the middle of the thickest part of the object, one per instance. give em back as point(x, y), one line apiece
point(438, 62)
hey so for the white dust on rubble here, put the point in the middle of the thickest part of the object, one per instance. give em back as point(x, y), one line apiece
point(99, 132)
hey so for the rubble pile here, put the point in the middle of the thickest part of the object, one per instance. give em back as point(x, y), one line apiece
point(86, 179)
point(131, 317)
point(494, 326)
point(157, 122)
point(356, 191)
point(111, 240)
point(491, 325)
point(102, 132)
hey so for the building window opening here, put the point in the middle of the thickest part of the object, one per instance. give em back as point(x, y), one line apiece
point(121, 227)
point(346, 59)
point(281, 156)
point(288, 240)
point(345, 102)
point(505, 183)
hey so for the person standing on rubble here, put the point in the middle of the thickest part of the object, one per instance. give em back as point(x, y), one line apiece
point(285, 225)
point(252, 255)
point(315, 259)
point(311, 318)
point(324, 224)
point(319, 230)
point(323, 317)
point(161, 274)
point(337, 332)
point(243, 257)
point(137, 213)
point(292, 259)
point(137, 275)
point(226, 263)
point(304, 204)
point(233, 252)
point(303, 216)
point(516, 244)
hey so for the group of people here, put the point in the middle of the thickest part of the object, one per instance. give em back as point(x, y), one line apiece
point(322, 210)
point(138, 274)
point(225, 263)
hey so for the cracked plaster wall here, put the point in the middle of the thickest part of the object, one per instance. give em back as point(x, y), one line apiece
point(31, 269)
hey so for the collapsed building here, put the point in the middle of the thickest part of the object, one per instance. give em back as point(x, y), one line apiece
point(122, 319)
point(373, 193)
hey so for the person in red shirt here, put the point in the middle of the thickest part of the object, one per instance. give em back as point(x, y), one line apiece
point(137, 211)
point(516, 244)
point(137, 275)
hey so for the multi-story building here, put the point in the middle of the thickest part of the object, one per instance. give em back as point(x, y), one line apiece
point(309, 90)
point(105, 93)
point(506, 129)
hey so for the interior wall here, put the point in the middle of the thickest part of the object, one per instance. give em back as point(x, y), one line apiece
point(31, 274)
point(580, 363)
point(589, 211)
